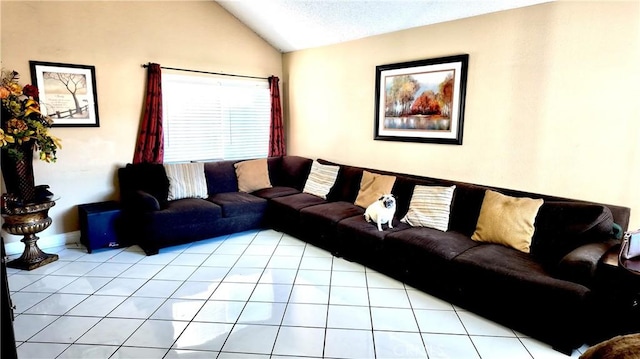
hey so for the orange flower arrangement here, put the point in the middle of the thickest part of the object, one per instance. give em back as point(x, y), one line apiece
point(23, 125)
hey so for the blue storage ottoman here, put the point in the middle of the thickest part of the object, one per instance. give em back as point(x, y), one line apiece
point(98, 224)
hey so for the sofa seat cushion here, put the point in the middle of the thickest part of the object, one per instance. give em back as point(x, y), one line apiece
point(361, 240)
point(428, 243)
point(513, 289)
point(188, 211)
point(424, 256)
point(296, 202)
point(239, 203)
point(283, 213)
point(358, 226)
point(319, 222)
point(329, 214)
point(493, 263)
point(274, 192)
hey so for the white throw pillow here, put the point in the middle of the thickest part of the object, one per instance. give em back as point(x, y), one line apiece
point(186, 180)
point(430, 206)
point(321, 179)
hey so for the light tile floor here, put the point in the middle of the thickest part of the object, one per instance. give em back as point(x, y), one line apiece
point(256, 294)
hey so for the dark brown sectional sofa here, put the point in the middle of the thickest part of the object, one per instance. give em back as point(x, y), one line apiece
point(551, 294)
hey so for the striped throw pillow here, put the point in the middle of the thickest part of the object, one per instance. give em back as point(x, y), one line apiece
point(186, 180)
point(430, 207)
point(321, 179)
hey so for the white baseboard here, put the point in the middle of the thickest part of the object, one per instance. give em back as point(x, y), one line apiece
point(44, 242)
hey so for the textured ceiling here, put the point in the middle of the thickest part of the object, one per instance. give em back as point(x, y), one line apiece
point(291, 25)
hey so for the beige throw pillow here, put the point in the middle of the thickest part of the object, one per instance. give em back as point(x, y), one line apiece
point(430, 206)
point(507, 220)
point(252, 175)
point(186, 180)
point(372, 187)
point(321, 179)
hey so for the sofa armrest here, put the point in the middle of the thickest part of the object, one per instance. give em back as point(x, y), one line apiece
point(580, 265)
point(141, 201)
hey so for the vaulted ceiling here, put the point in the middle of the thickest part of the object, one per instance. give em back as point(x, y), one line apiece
point(291, 25)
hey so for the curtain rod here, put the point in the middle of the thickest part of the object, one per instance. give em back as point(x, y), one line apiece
point(209, 72)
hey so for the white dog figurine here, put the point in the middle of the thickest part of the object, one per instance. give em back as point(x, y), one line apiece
point(381, 211)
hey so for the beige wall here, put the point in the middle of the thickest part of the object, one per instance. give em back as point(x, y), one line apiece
point(552, 101)
point(117, 37)
point(552, 97)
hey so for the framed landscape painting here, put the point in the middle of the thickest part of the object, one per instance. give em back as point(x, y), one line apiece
point(67, 93)
point(421, 101)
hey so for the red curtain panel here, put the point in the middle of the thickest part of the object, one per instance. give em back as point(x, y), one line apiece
point(150, 144)
point(276, 131)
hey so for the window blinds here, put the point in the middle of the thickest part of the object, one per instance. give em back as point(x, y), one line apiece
point(212, 118)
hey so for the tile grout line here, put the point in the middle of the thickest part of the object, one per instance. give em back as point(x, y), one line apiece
point(326, 319)
point(293, 284)
point(373, 337)
point(249, 297)
point(415, 318)
point(475, 347)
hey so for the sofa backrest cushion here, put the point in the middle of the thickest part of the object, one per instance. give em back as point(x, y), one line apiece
point(293, 172)
point(347, 184)
point(562, 226)
point(221, 177)
point(146, 177)
point(403, 191)
point(465, 208)
point(274, 165)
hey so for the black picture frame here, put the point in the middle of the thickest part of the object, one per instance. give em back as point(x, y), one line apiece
point(67, 93)
point(421, 101)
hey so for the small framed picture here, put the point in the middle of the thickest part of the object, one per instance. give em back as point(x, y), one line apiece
point(421, 101)
point(67, 93)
